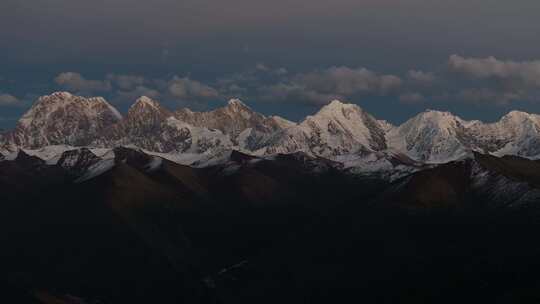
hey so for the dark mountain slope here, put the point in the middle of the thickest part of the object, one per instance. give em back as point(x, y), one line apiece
point(287, 229)
point(479, 182)
point(148, 229)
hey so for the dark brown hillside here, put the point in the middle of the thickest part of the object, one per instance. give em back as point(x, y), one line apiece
point(483, 179)
point(445, 186)
point(294, 228)
point(514, 167)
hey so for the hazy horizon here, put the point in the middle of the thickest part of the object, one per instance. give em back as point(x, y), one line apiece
point(477, 59)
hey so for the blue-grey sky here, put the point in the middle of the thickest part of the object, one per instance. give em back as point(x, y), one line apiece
point(476, 58)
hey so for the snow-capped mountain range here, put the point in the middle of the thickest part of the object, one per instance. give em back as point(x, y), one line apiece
point(341, 132)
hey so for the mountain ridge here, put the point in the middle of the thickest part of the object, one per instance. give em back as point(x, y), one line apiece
point(337, 131)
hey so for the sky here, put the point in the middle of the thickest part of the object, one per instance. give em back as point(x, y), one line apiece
point(476, 58)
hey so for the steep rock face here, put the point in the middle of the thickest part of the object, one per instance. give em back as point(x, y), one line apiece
point(432, 136)
point(337, 129)
point(62, 118)
point(150, 126)
point(246, 128)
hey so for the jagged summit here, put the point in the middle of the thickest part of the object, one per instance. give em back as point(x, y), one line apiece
point(145, 101)
point(65, 100)
point(432, 136)
point(336, 129)
point(246, 128)
point(145, 105)
point(519, 116)
point(336, 110)
point(437, 112)
point(61, 94)
point(236, 103)
point(337, 105)
point(62, 118)
point(436, 116)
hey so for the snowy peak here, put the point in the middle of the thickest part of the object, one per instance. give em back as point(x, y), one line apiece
point(441, 118)
point(518, 123)
point(245, 127)
point(236, 103)
point(236, 109)
point(347, 128)
point(439, 137)
point(146, 101)
point(443, 123)
point(145, 105)
point(337, 129)
point(517, 133)
point(63, 118)
point(516, 115)
point(337, 108)
point(61, 95)
point(339, 111)
point(337, 104)
point(432, 136)
point(64, 102)
point(520, 118)
point(150, 126)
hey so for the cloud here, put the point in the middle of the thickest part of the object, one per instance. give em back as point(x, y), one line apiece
point(187, 89)
point(490, 80)
point(321, 86)
point(280, 71)
point(262, 67)
point(411, 98)
point(526, 73)
point(346, 81)
point(127, 88)
point(126, 82)
point(488, 95)
point(421, 77)
point(295, 93)
point(131, 95)
point(77, 83)
point(477, 80)
point(253, 78)
point(7, 100)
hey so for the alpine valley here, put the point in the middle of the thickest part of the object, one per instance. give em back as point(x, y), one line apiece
point(232, 206)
